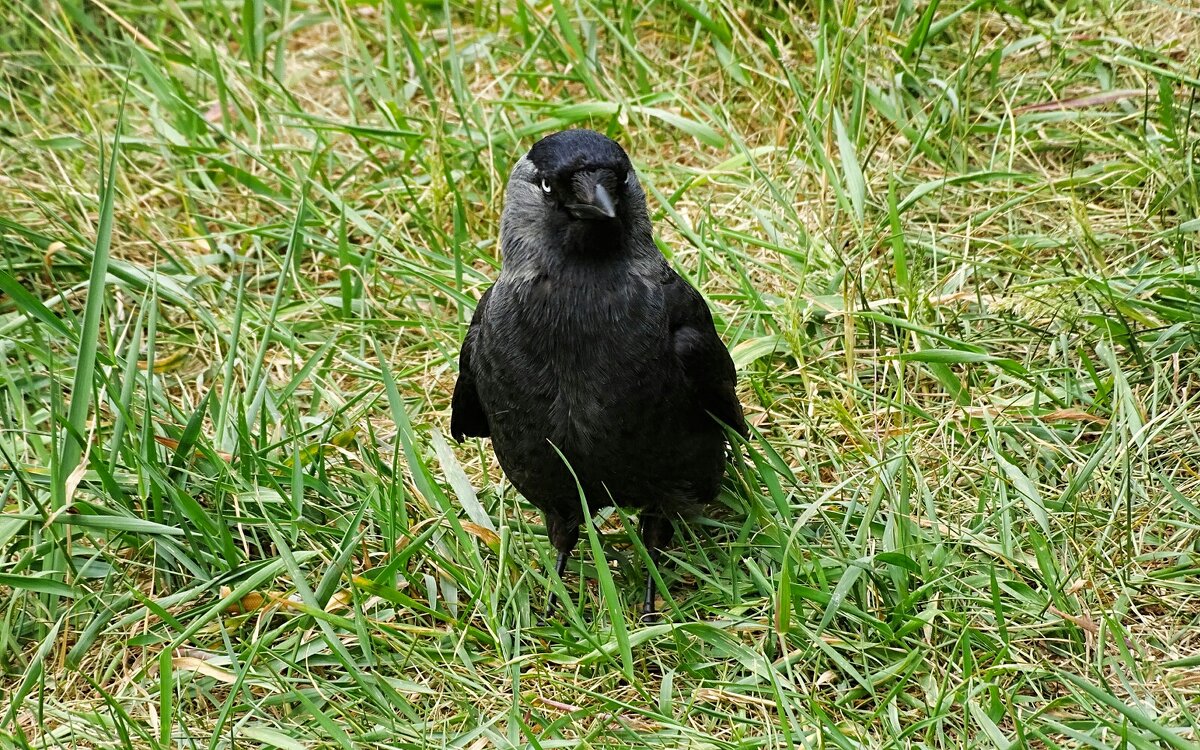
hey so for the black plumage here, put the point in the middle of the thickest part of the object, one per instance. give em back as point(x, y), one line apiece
point(589, 343)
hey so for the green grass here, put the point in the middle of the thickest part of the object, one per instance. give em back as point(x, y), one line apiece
point(953, 247)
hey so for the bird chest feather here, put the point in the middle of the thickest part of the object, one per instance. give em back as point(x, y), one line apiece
point(586, 342)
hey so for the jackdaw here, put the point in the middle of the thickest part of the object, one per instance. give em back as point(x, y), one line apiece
point(590, 345)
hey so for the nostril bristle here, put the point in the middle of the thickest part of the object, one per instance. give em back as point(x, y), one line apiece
point(584, 182)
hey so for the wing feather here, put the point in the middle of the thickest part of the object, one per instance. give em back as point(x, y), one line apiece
point(467, 417)
point(706, 362)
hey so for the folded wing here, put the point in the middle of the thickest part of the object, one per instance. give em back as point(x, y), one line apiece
point(706, 362)
point(467, 418)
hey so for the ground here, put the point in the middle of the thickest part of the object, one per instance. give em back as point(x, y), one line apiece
point(952, 246)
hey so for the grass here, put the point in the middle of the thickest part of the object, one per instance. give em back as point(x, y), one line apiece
point(953, 247)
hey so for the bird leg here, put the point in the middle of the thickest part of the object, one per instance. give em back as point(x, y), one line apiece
point(559, 568)
point(649, 603)
point(564, 535)
point(656, 531)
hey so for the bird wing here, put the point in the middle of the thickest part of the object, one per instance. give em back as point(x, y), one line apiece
point(706, 362)
point(467, 417)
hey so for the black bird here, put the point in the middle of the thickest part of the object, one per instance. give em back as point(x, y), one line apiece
point(589, 344)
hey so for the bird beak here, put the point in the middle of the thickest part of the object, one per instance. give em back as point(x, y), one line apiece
point(601, 206)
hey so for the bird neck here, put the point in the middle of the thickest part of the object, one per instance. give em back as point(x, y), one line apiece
point(583, 249)
point(601, 242)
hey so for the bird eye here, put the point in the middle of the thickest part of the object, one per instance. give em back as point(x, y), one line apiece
point(545, 186)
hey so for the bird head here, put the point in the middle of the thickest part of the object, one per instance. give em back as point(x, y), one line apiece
point(574, 190)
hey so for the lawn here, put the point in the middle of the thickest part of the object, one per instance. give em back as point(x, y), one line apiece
point(955, 251)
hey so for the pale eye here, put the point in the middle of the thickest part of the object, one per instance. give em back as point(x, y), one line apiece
point(545, 186)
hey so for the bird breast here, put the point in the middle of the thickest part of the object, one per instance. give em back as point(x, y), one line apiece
point(589, 352)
